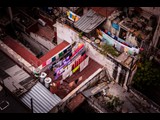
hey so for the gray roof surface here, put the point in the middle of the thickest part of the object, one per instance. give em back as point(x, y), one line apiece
point(43, 99)
point(89, 21)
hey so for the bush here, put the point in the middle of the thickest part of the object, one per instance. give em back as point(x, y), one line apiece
point(147, 75)
point(108, 49)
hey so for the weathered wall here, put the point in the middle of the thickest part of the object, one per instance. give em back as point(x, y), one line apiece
point(152, 10)
point(17, 58)
point(42, 41)
point(65, 33)
point(37, 46)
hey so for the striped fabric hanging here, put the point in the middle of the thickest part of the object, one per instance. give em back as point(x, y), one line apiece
point(67, 13)
point(70, 15)
point(76, 63)
point(130, 52)
point(44, 64)
point(125, 49)
point(77, 18)
point(75, 69)
point(122, 49)
point(80, 60)
point(49, 61)
point(72, 66)
point(73, 17)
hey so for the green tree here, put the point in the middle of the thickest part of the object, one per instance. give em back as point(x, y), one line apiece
point(147, 76)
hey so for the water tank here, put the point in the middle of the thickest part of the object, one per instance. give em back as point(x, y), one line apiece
point(42, 76)
point(47, 82)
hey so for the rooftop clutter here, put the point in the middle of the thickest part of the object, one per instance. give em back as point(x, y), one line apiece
point(125, 30)
point(71, 62)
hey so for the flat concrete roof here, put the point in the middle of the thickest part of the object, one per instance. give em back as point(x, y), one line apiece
point(46, 32)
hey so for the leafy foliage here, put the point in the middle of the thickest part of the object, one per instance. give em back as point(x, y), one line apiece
point(147, 75)
point(108, 49)
point(80, 34)
point(115, 102)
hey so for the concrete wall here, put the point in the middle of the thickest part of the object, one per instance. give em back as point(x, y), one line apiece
point(59, 40)
point(17, 58)
point(152, 10)
point(94, 54)
point(65, 33)
point(46, 43)
point(35, 45)
point(108, 63)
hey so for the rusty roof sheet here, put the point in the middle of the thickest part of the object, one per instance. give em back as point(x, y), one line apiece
point(75, 102)
point(104, 11)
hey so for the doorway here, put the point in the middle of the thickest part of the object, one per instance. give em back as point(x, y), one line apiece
point(122, 34)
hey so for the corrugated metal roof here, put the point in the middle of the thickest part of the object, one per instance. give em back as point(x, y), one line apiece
point(43, 99)
point(89, 21)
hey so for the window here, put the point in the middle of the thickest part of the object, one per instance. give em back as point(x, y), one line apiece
point(115, 71)
point(122, 77)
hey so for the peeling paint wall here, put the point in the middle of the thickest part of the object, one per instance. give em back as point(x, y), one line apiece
point(42, 41)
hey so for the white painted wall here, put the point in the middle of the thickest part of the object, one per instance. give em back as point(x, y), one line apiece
point(43, 41)
point(65, 33)
point(99, 58)
point(59, 40)
point(118, 73)
point(91, 52)
point(125, 82)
